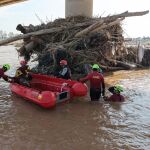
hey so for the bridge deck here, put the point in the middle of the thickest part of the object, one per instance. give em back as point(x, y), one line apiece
point(8, 2)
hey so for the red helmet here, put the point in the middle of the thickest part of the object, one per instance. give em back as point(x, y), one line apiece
point(63, 62)
point(23, 62)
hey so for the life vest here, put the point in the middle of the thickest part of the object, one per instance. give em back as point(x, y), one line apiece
point(65, 73)
point(18, 73)
point(22, 71)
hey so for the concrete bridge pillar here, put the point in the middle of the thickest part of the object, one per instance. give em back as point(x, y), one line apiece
point(78, 7)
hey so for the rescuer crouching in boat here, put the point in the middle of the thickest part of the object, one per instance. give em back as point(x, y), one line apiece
point(23, 75)
point(116, 96)
point(65, 71)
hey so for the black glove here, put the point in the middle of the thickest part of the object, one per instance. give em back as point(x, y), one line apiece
point(10, 80)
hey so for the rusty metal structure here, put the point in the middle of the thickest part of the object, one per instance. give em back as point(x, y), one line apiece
point(8, 2)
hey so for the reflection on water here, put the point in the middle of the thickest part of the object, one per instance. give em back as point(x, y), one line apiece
point(79, 125)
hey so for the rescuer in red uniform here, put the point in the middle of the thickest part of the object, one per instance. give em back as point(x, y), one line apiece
point(116, 96)
point(97, 85)
point(5, 68)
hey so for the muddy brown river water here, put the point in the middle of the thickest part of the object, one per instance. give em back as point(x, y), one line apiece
point(80, 124)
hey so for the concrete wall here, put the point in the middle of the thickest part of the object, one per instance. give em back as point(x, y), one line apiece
point(79, 7)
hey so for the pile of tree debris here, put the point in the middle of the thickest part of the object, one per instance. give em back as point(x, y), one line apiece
point(80, 40)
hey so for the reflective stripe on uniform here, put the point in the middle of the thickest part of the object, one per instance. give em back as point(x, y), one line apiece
point(18, 73)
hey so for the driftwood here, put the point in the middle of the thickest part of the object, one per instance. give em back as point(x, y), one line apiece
point(127, 14)
point(97, 27)
point(89, 29)
point(104, 26)
point(23, 36)
point(59, 29)
point(111, 68)
point(125, 65)
point(79, 40)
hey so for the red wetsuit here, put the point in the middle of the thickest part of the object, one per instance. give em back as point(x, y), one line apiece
point(96, 80)
point(97, 84)
point(2, 75)
point(116, 98)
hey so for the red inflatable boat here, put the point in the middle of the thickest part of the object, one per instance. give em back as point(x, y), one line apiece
point(47, 91)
